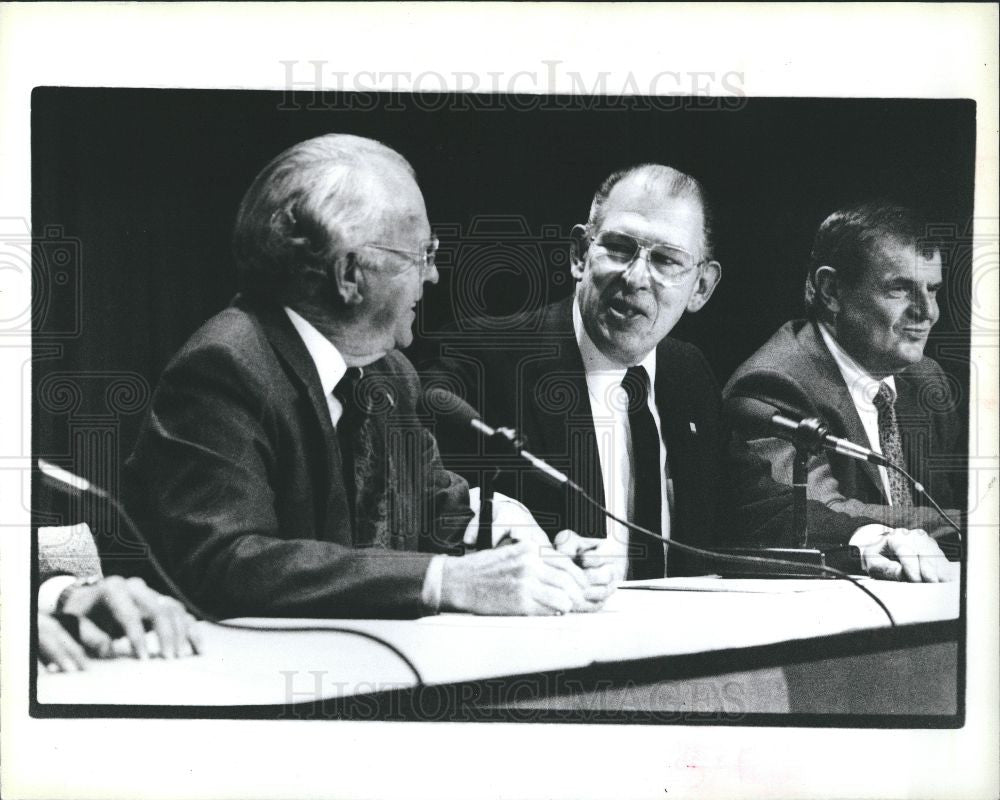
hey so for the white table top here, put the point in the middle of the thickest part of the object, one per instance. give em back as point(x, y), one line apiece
point(677, 616)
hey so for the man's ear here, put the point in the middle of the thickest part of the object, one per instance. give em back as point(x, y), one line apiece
point(578, 243)
point(708, 278)
point(828, 288)
point(346, 280)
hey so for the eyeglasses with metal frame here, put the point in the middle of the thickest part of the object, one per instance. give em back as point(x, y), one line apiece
point(668, 264)
point(423, 258)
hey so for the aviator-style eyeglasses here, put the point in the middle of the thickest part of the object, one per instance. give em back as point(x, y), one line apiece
point(668, 264)
point(423, 258)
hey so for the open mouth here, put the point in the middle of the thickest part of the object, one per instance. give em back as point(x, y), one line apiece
point(622, 309)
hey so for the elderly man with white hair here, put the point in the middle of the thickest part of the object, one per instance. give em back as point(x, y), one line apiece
point(283, 467)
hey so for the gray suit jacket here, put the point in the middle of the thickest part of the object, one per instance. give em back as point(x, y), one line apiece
point(795, 373)
point(237, 479)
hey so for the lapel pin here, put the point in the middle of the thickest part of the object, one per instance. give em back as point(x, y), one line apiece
point(694, 428)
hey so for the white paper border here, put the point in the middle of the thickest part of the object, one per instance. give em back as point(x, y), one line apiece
point(820, 50)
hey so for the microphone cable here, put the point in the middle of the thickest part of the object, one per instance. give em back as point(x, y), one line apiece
point(441, 402)
point(923, 493)
point(732, 558)
point(81, 484)
point(811, 433)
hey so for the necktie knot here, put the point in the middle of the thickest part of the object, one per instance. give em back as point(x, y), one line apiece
point(884, 398)
point(636, 386)
point(345, 390)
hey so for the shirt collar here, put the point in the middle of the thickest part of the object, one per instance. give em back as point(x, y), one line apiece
point(861, 384)
point(329, 362)
point(594, 361)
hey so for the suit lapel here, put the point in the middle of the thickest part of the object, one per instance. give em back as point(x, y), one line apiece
point(287, 344)
point(575, 429)
point(678, 438)
point(914, 427)
point(827, 374)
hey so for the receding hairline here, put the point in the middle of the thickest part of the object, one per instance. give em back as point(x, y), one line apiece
point(661, 182)
point(654, 179)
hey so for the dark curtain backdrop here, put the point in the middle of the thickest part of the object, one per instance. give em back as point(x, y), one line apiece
point(135, 192)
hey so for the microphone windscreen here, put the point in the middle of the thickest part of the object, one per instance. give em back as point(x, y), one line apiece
point(448, 406)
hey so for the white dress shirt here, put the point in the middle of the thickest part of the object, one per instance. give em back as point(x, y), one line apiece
point(609, 410)
point(862, 387)
point(329, 362)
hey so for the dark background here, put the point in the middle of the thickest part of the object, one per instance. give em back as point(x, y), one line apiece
point(134, 193)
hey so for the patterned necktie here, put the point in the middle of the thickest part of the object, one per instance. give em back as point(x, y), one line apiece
point(892, 446)
point(645, 555)
point(364, 473)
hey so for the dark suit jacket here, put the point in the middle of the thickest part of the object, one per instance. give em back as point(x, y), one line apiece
point(236, 477)
point(797, 374)
point(526, 372)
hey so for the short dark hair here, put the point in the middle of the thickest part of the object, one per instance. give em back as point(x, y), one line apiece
point(299, 210)
point(848, 237)
point(675, 183)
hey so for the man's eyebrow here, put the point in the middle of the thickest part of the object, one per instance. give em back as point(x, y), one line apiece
point(907, 281)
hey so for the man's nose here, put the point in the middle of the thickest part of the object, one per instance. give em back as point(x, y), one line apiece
point(637, 274)
point(924, 305)
point(431, 274)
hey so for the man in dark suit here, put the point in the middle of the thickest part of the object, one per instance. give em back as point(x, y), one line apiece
point(283, 467)
point(599, 388)
point(857, 363)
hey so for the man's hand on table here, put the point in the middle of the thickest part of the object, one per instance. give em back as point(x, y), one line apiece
point(526, 576)
point(906, 555)
point(592, 555)
point(117, 606)
point(57, 649)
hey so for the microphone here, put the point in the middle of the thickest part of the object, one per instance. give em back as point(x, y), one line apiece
point(454, 410)
point(69, 482)
point(450, 408)
point(809, 433)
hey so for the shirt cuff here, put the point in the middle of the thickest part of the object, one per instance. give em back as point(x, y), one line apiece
point(49, 591)
point(430, 594)
point(508, 514)
point(472, 530)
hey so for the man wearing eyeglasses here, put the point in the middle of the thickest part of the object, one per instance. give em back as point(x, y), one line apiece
point(597, 386)
point(283, 468)
point(642, 260)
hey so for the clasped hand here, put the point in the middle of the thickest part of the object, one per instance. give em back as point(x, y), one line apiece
point(529, 577)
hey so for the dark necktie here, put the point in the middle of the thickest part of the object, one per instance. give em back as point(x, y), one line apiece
point(347, 428)
point(892, 446)
point(645, 554)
